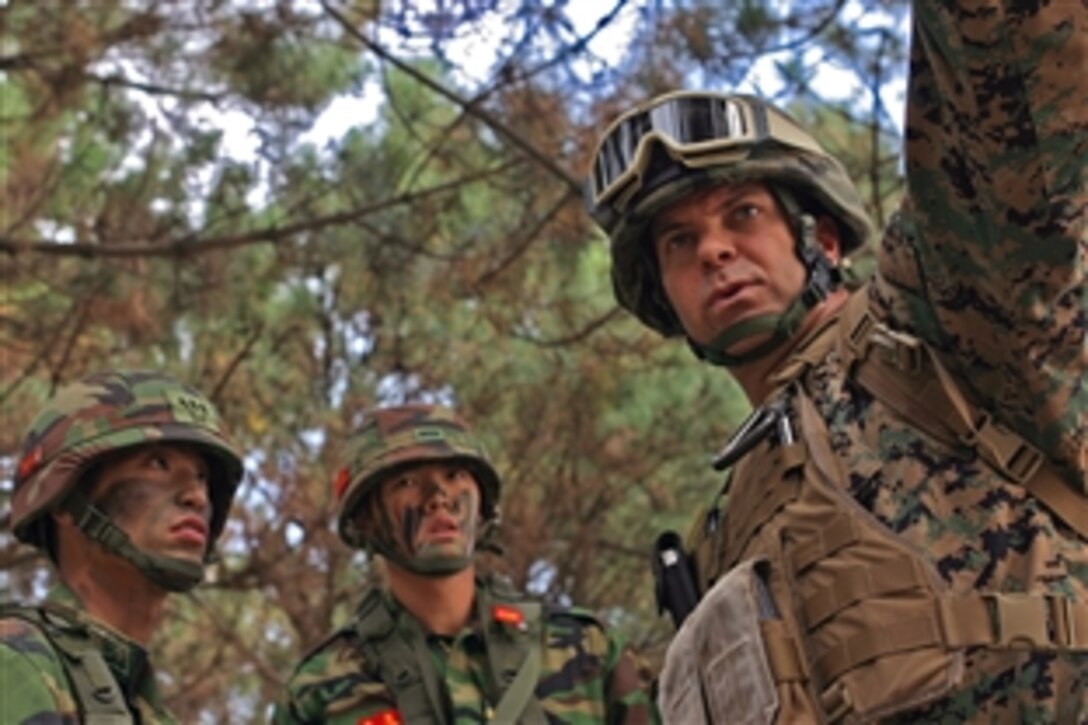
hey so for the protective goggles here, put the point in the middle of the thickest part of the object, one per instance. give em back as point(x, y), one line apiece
point(696, 129)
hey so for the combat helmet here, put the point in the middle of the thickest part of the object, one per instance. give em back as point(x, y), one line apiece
point(394, 438)
point(682, 141)
point(102, 414)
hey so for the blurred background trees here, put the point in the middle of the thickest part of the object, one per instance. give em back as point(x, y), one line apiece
point(309, 207)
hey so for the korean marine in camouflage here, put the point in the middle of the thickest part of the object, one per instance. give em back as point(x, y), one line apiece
point(440, 644)
point(124, 480)
point(902, 534)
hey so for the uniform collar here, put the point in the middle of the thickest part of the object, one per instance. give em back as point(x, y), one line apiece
point(128, 661)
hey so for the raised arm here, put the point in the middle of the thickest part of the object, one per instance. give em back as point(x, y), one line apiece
point(988, 259)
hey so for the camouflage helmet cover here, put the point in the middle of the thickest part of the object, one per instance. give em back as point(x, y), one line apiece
point(792, 160)
point(397, 437)
point(111, 411)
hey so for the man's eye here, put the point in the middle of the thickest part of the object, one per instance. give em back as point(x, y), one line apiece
point(456, 473)
point(678, 241)
point(159, 461)
point(404, 482)
point(745, 212)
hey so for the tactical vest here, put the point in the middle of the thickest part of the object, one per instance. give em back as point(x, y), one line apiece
point(97, 692)
point(814, 610)
point(401, 660)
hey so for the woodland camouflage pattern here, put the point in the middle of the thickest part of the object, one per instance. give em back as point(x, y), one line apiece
point(986, 262)
point(586, 677)
point(109, 411)
point(33, 683)
point(404, 436)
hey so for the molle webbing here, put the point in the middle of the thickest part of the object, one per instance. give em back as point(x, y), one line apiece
point(865, 603)
point(751, 507)
point(997, 621)
point(97, 691)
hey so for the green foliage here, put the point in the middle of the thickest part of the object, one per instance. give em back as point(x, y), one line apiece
point(424, 255)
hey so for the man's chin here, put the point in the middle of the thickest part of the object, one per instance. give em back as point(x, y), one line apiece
point(182, 553)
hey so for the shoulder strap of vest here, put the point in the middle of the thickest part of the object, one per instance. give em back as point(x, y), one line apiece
point(97, 692)
point(906, 375)
point(514, 657)
point(405, 667)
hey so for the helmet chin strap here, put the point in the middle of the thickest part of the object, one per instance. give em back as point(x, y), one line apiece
point(443, 566)
point(437, 567)
point(821, 279)
point(170, 573)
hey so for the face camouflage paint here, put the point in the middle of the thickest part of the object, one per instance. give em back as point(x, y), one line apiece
point(428, 518)
point(159, 497)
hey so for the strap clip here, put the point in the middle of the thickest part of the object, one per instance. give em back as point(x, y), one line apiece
point(1014, 456)
point(903, 351)
point(836, 702)
point(1021, 620)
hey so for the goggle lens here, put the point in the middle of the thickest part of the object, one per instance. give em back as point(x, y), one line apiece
point(689, 126)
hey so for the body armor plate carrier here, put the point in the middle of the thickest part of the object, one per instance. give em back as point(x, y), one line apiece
point(814, 610)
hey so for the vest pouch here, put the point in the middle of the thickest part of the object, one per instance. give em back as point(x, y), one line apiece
point(717, 668)
point(866, 601)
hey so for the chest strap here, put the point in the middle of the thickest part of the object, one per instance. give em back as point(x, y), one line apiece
point(97, 691)
point(514, 658)
point(997, 621)
point(407, 668)
point(404, 667)
point(907, 376)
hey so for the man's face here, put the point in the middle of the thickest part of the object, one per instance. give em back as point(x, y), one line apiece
point(429, 514)
point(158, 495)
point(726, 253)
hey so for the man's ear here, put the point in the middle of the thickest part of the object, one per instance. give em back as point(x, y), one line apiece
point(366, 515)
point(829, 238)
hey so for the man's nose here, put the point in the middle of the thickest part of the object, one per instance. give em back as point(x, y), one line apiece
point(193, 490)
point(436, 495)
point(716, 247)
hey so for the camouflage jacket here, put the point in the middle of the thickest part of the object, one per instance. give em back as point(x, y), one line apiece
point(36, 685)
point(986, 263)
point(586, 675)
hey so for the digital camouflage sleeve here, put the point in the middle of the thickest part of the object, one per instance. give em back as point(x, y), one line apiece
point(586, 677)
point(987, 261)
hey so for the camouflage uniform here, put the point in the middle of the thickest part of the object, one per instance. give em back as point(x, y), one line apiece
point(35, 682)
point(585, 674)
point(985, 265)
point(57, 664)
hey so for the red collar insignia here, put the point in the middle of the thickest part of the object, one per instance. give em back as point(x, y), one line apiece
point(385, 717)
point(507, 615)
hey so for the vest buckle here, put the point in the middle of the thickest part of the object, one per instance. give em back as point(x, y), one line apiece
point(903, 351)
point(1021, 621)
